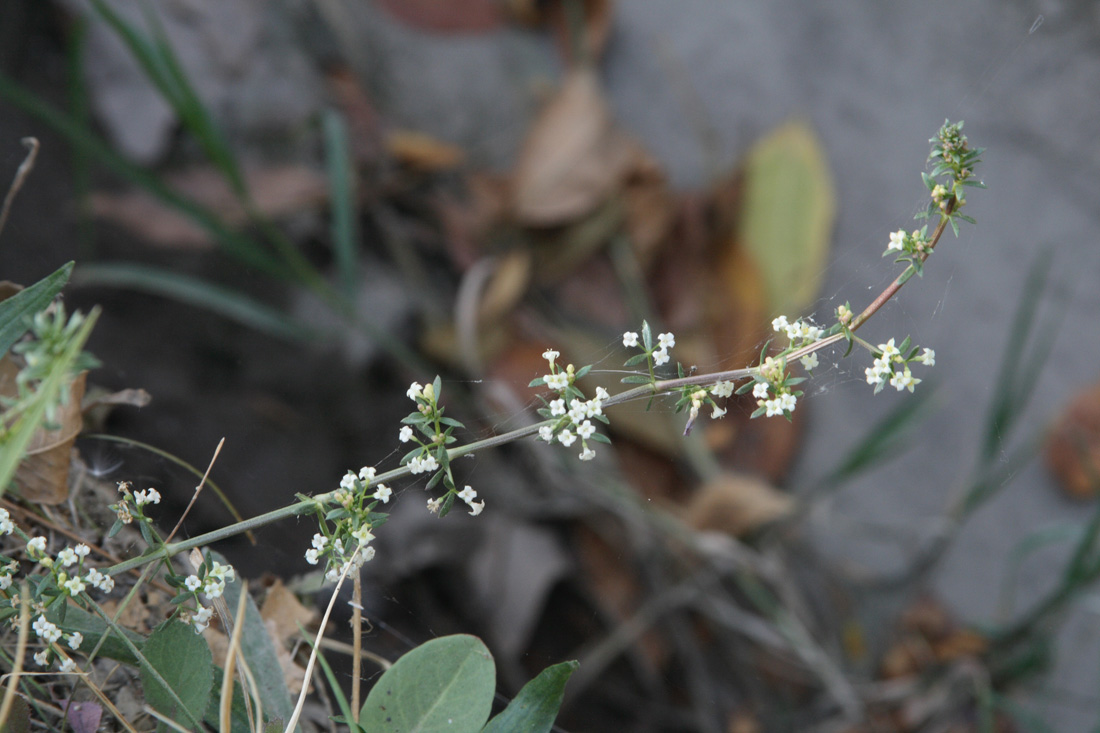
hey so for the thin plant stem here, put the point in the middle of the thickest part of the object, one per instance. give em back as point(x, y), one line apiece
point(24, 170)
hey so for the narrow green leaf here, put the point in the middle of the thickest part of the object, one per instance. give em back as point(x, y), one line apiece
point(230, 304)
point(183, 660)
point(16, 311)
point(259, 651)
point(536, 706)
point(342, 193)
point(446, 684)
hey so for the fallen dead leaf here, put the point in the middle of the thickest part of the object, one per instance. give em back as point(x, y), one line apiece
point(737, 505)
point(43, 475)
point(276, 192)
point(574, 157)
point(423, 152)
point(282, 609)
point(1073, 447)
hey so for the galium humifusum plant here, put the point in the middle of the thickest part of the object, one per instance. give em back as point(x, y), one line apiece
point(349, 516)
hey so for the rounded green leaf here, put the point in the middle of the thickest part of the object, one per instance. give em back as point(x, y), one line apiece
point(446, 684)
point(182, 659)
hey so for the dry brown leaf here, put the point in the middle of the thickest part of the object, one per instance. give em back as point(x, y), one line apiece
point(276, 192)
point(423, 152)
point(282, 609)
point(506, 287)
point(737, 505)
point(43, 476)
point(574, 157)
point(1073, 448)
point(445, 16)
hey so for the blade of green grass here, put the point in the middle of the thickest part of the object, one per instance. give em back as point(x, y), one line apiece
point(342, 192)
point(228, 303)
point(16, 311)
point(234, 244)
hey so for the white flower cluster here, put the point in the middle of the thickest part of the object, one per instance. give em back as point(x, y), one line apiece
point(340, 557)
point(800, 333)
point(73, 583)
point(891, 366)
point(665, 341)
point(6, 525)
point(577, 423)
point(213, 585)
point(772, 394)
point(51, 634)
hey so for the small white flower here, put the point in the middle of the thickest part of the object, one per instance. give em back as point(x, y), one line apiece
point(149, 496)
point(760, 390)
point(546, 433)
point(593, 408)
point(363, 534)
point(319, 541)
point(585, 429)
point(660, 357)
point(5, 582)
point(897, 240)
point(557, 407)
point(405, 434)
point(550, 355)
point(67, 666)
point(312, 556)
point(566, 438)
point(41, 625)
point(414, 391)
point(666, 340)
point(36, 546)
point(773, 407)
point(6, 525)
point(366, 554)
point(434, 505)
point(429, 463)
point(383, 493)
point(476, 507)
point(889, 350)
point(780, 323)
point(787, 402)
point(75, 585)
point(42, 658)
point(722, 389)
point(577, 411)
point(467, 494)
point(602, 394)
point(904, 380)
point(874, 376)
point(928, 358)
point(348, 481)
point(587, 454)
point(718, 412)
point(75, 639)
point(223, 572)
point(809, 362)
point(201, 619)
point(213, 588)
point(630, 338)
point(66, 557)
point(82, 550)
point(557, 382)
point(367, 473)
point(99, 580)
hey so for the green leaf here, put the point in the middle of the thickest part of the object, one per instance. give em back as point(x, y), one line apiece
point(536, 706)
point(259, 652)
point(341, 185)
point(231, 304)
point(183, 660)
point(787, 218)
point(16, 311)
point(446, 684)
point(93, 628)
